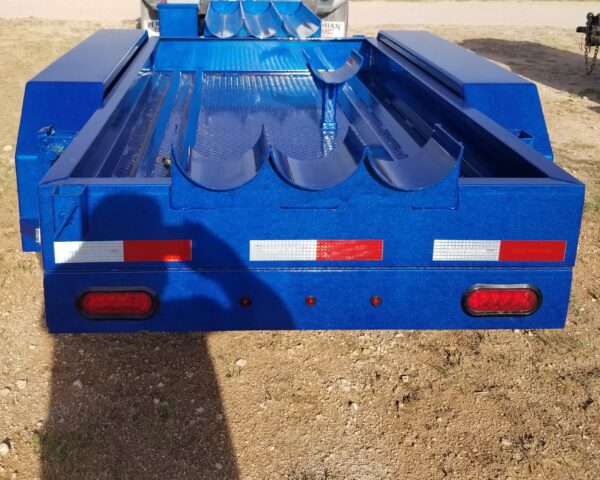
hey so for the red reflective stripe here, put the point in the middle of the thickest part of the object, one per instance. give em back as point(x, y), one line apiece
point(532, 250)
point(157, 250)
point(340, 250)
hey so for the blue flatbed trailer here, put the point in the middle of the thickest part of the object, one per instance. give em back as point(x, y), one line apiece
point(193, 183)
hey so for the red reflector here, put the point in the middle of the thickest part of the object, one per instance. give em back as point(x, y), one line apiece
point(138, 304)
point(502, 300)
point(376, 301)
point(310, 301)
point(245, 301)
point(532, 250)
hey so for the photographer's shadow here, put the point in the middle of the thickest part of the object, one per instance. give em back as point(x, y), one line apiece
point(146, 405)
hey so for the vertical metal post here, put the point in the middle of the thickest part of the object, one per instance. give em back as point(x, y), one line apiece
point(328, 120)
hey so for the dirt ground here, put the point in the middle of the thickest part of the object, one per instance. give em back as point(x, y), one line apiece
point(307, 405)
point(363, 14)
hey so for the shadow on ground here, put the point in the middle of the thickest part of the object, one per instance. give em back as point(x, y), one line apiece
point(549, 66)
point(121, 423)
point(142, 405)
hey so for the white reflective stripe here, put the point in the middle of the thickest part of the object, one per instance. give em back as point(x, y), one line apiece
point(282, 250)
point(88, 252)
point(466, 250)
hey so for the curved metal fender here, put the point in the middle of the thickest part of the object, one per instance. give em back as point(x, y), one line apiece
point(298, 20)
point(262, 20)
point(438, 158)
point(224, 19)
point(221, 175)
point(319, 66)
point(322, 172)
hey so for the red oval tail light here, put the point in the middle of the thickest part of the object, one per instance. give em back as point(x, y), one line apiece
point(502, 300)
point(136, 303)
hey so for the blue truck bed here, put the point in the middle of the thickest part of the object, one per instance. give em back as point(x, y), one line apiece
point(364, 183)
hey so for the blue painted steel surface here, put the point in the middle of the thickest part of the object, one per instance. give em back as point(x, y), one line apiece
point(220, 141)
point(260, 19)
point(61, 99)
point(208, 300)
point(178, 20)
point(224, 20)
point(508, 99)
point(298, 20)
point(331, 80)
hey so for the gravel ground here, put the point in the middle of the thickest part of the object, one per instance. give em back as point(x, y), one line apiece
point(307, 405)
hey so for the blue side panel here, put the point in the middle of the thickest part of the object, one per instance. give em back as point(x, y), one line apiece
point(221, 236)
point(508, 99)
point(178, 20)
point(64, 96)
point(209, 300)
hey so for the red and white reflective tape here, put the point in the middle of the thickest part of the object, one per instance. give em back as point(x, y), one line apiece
point(499, 250)
point(315, 250)
point(123, 251)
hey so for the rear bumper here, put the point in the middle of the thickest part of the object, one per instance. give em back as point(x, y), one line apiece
point(415, 298)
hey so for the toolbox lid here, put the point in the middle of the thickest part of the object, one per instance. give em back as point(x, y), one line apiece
point(97, 60)
point(450, 64)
